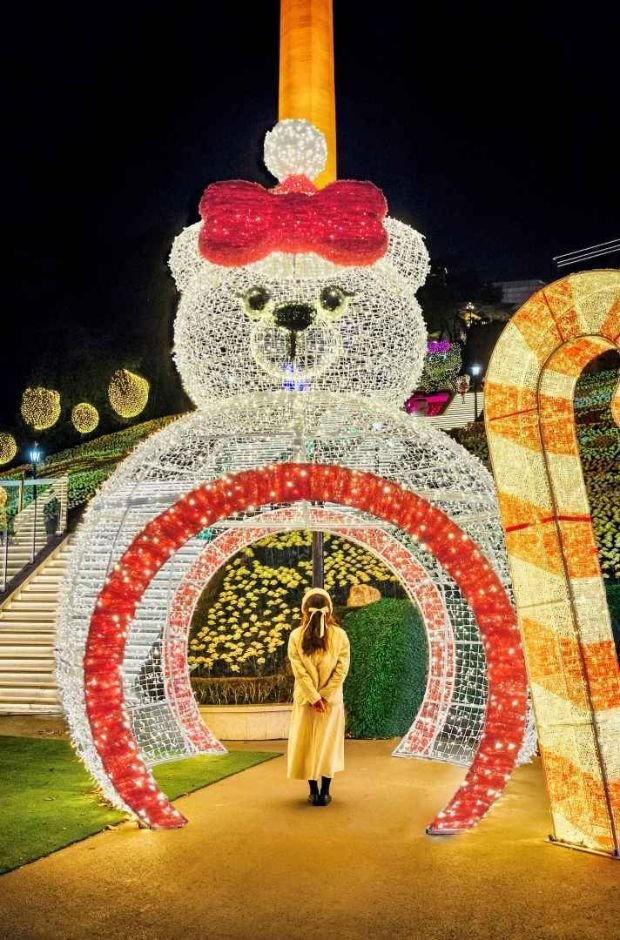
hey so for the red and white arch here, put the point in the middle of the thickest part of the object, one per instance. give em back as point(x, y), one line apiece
point(413, 576)
point(115, 744)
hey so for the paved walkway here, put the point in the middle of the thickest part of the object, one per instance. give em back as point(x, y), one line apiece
point(257, 861)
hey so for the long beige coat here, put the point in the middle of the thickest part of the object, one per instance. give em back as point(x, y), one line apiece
point(316, 740)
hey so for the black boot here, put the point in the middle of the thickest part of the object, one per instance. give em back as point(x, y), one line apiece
point(324, 797)
point(314, 792)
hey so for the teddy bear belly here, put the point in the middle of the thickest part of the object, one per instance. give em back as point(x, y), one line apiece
point(281, 427)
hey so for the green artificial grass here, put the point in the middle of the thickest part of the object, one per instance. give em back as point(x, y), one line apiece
point(48, 800)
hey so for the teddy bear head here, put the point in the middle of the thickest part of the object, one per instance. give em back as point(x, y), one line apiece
point(297, 289)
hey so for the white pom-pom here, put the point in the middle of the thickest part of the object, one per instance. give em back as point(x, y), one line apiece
point(295, 148)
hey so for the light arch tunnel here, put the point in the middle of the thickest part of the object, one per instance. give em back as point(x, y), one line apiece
point(115, 739)
point(453, 650)
point(434, 711)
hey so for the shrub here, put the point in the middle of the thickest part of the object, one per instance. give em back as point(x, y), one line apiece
point(386, 681)
point(243, 690)
point(441, 367)
point(613, 602)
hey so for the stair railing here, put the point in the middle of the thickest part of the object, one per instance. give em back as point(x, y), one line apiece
point(33, 511)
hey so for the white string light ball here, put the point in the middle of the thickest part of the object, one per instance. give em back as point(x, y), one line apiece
point(295, 148)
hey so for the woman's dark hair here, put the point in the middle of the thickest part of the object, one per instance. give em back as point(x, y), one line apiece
point(311, 623)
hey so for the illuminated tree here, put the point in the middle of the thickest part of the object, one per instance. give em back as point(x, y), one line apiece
point(128, 393)
point(40, 407)
point(85, 417)
point(8, 448)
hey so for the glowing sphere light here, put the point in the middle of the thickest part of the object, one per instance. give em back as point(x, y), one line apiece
point(84, 417)
point(8, 448)
point(40, 407)
point(128, 393)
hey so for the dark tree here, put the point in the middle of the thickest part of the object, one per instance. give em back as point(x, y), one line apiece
point(448, 289)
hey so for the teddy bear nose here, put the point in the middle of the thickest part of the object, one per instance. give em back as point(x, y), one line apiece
point(294, 316)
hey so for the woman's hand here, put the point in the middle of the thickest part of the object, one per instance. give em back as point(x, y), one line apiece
point(320, 706)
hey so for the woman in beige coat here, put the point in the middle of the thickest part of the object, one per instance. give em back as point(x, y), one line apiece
point(319, 654)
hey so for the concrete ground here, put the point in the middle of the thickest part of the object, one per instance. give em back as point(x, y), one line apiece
point(256, 861)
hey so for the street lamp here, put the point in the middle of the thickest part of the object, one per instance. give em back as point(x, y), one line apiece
point(35, 453)
point(476, 369)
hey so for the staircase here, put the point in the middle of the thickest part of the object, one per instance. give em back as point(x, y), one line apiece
point(31, 535)
point(459, 412)
point(27, 637)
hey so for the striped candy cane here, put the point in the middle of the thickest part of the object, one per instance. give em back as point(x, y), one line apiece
point(563, 614)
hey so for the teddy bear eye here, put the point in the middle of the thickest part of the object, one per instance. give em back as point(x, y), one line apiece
point(333, 299)
point(256, 300)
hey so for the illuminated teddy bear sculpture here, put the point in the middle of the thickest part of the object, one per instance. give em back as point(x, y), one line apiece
point(298, 337)
point(296, 288)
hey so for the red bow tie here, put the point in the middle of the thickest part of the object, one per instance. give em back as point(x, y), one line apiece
point(243, 222)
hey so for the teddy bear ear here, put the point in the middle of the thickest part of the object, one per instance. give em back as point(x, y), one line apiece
point(185, 260)
point(407, 252)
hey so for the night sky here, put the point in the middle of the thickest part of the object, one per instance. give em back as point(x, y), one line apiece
point(491, 131)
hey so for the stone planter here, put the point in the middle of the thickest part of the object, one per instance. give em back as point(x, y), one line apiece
point(248, 722)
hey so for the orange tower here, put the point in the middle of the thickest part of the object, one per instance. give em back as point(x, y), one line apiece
point(307, 88)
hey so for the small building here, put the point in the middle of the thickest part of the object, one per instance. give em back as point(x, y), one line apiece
point(516, 292)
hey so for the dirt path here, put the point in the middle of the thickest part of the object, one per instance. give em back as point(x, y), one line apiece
point(256, 861)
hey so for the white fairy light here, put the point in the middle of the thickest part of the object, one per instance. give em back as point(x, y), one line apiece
point(295, 148)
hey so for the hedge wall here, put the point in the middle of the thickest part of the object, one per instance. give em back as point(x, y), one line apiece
point(386, 681)
point(613, 600)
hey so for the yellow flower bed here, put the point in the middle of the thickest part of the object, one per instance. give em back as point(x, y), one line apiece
point(245, 629)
